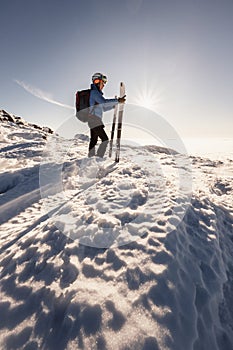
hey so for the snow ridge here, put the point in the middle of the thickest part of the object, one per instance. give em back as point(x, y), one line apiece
point(166, 284)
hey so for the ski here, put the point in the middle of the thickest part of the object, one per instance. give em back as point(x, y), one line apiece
point(113, 129)
point(119, 123)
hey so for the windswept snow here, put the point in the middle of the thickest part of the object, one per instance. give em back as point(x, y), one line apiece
point(101, 256)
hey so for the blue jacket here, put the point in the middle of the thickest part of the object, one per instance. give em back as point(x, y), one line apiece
point(99, 104)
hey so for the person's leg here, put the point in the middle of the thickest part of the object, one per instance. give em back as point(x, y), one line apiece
point(93, 142)
point(104, 138)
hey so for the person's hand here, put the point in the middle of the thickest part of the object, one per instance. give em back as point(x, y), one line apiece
point(122, 99)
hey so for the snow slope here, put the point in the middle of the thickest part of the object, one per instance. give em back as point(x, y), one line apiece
point(124, 261)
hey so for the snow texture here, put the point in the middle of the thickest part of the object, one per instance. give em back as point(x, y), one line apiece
point(166, 284)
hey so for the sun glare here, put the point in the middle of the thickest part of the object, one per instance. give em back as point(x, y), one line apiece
point(147, 102)
point(148, 98)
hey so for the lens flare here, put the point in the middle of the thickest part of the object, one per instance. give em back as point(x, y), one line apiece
point(148, 98)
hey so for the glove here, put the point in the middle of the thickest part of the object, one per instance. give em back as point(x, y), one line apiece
point(122, 99)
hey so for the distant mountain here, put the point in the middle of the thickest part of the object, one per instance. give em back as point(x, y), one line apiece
point(7, 117)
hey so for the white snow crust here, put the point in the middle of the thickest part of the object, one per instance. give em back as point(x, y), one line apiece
point(66, 284)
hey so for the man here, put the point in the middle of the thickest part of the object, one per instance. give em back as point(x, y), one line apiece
point(98, 105)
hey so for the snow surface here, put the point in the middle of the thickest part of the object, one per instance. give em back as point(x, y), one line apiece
point(129, 260)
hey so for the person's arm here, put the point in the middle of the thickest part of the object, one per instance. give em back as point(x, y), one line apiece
point(110, 105)
point(100, 99)
point(107, 103)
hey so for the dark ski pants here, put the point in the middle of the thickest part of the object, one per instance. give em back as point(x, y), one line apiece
point(96, 132)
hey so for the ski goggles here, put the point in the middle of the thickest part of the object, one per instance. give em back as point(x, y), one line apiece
point(103, 79)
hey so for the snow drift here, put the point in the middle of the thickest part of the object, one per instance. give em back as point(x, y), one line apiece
point(166, 284)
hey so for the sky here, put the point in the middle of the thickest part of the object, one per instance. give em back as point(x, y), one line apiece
point(175, 57)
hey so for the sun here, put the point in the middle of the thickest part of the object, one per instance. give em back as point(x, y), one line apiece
point(147, 98)
point(147, 102)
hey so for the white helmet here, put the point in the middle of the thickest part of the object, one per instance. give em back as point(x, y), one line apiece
point(99, 76)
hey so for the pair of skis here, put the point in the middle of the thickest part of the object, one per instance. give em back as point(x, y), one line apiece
point(119, 125)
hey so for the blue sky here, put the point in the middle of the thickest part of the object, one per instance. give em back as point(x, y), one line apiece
point(175, 56)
